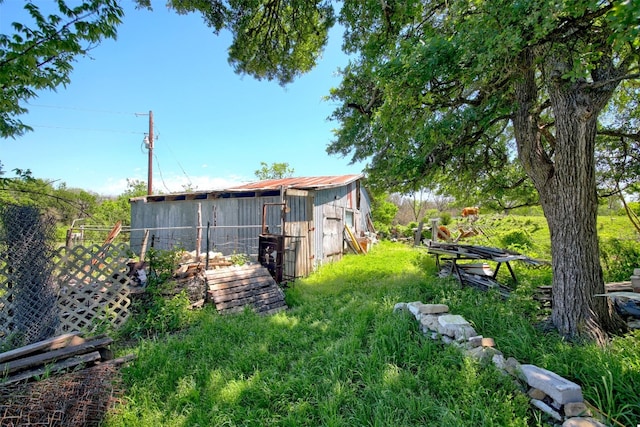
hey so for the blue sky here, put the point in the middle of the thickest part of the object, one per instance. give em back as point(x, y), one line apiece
point(213, 127)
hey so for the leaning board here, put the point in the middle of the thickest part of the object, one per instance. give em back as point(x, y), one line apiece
point(234, 288)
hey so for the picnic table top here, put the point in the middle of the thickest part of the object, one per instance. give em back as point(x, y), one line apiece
point(479, 252)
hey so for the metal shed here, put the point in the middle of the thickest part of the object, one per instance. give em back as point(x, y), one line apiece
point(300, 222)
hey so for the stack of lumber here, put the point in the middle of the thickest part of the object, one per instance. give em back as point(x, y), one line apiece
point(192, 261)
point(622, 289)
point(483, 282)
point(58, 354)
point(232, 289)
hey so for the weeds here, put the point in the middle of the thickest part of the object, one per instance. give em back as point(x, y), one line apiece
point(340, 357)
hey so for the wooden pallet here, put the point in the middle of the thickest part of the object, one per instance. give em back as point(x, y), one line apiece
point(232, 289)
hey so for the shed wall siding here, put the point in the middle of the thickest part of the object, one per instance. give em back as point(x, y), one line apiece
point(315, 223)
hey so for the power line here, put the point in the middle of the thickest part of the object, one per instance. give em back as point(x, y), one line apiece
point(59, 107)
point(175, 158)
point(88, 129)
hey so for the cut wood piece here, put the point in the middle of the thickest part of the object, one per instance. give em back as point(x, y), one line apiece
point(54, 355)
point(63, 365)
point(40, 346)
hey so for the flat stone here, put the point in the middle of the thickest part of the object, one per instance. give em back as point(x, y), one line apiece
point(400, 307)
point(488, 342)
point(536, 393)
point(446, 339)
point(546, 409)
point(582, 422)
point(559, 389)
point(463, 332)
point(429, 321)
point(449, 323)
point(499, 361)
point(414, 308)
point(483, 354)
point(576, 409)
point(512, 366)
point(475, 341)
point(434, 308)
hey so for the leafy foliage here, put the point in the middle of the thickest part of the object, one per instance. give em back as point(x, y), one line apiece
point(39, 54)
point(274, 171)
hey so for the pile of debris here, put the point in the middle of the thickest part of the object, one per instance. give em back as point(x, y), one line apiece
point(77, 381)
point(57, 354)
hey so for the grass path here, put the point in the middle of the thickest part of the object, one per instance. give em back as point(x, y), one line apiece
point(340, 357)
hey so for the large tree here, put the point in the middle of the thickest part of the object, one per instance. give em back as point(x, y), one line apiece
point(433, 87)
point(38, 53)
point(439, 83)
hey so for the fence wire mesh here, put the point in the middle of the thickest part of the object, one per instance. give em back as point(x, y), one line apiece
point(27, 293)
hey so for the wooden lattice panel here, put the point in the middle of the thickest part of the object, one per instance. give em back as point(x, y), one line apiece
point(94, 287)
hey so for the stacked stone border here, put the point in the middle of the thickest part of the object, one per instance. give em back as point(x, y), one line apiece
point(556, 396)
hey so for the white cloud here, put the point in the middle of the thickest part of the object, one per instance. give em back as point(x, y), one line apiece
point(174, 184)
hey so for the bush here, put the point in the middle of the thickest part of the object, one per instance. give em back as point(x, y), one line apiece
point(445, 218)
point(517, 240)
point(619, 258)
point(155, 313)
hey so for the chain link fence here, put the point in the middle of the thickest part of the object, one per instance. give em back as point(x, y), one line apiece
point(28, 310)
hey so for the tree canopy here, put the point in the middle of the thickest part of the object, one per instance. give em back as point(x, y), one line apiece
point(39, 54)
point(468, 92)
point(276, 170)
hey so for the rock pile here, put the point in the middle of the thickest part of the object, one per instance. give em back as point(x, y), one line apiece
point(558, 397)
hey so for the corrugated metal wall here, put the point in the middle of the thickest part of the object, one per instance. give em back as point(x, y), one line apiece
point(350, 201)
point(234, 223)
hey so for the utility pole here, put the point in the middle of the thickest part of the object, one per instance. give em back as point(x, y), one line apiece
point(148, 142)
point(150, 168)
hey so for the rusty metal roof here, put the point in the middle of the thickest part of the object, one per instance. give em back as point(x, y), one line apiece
point(302, 183)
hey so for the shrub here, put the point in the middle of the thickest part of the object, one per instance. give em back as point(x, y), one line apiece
point(445, 218)
point(619, 258)
point(517, 240)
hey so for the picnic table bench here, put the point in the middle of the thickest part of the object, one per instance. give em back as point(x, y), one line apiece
point(474, 274)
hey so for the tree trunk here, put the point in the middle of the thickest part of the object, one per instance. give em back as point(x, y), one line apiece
point(566, 183)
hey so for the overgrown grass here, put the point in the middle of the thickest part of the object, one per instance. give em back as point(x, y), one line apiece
point(340, 357)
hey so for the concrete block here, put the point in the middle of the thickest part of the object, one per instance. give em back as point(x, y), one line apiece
point(449, 323)
point(582, 422)
point(576, 409)
point(546, 409)
point(488, 342)
point(475, 341)
point(429, 321)
point(414, 308)
point(400, 307)
point(464, 332)
point(434, 308)
point(536, 393)
point(559, 389)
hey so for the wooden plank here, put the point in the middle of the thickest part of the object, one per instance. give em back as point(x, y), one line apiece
point(53, 368)
point(220, 284)
point(51, 356)
point(250, 283)
point(45, 345)
point(227, 273)
point(245, 293)
point(267, 296)
point(246, 297)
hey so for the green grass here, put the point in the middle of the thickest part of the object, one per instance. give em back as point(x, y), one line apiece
point(340, 357)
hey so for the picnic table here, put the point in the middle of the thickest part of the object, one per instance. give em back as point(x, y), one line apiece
point(474, 274)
